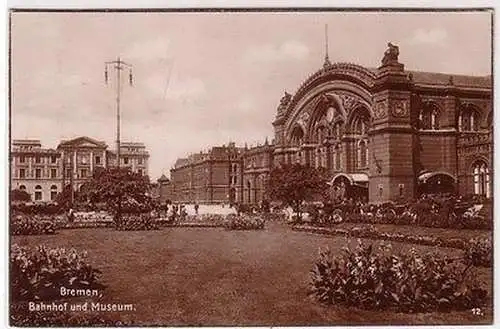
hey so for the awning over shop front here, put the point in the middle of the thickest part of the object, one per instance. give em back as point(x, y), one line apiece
point(358, 179)
point(424, 177)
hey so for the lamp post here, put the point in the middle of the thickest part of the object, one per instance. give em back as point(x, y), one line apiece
point(118, 65)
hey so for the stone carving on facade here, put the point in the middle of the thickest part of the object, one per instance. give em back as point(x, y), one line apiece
point(285, 99)
point(349, 102)
point(400, 109)
point(391, 55)
point(380, 110)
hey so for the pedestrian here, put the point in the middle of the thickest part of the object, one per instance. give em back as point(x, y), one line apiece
point(196, 207)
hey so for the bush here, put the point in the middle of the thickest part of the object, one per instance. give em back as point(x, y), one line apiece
point(27, 225)
point(41, 272)
point(406, 282)
point(244, 222)
point(142, 222)
point(478, 252)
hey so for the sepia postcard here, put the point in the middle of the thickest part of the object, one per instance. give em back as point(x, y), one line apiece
point(250, 167)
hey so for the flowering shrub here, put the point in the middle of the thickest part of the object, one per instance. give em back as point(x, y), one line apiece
point(132, 222)
point(93, 216)
point(244, 222)
point(405, 282)
point(478, 252)
point(27, 225)
point(39, 273)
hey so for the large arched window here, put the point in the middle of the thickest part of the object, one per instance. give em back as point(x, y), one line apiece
point(297, 137)
point(22, 188)
point(359, 127)
point(469, 119)
point(481, 178)
point(429, 117)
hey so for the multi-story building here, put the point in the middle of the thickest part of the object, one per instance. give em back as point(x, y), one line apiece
point(383, 133)
point(35, 170)
point(44, 172)
point(132, 155)
point(207, 177)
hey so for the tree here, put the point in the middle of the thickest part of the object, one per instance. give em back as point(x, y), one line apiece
point(20, 195)
point(294, 183)
point(118, 188)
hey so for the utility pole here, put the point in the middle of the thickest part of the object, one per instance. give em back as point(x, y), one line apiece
point(118, 65)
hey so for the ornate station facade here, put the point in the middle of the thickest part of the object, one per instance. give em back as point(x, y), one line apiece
point(382, 133)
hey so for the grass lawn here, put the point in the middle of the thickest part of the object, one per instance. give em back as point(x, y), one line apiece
point(193, 276)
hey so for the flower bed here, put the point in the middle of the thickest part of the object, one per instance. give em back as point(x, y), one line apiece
point(244, 222)
point(478, 251)
point(40, 272)
point(132, 222)
point(93, 216)
point(381, 280)
point(27, 225)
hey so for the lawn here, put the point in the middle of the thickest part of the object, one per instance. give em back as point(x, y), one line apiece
point(193, 276)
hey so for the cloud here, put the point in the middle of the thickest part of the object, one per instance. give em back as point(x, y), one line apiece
point(157, 49)
point(429, 36)
point(290, 50)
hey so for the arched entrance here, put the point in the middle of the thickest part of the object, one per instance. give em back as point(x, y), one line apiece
point(436, 182)
point(349, 186)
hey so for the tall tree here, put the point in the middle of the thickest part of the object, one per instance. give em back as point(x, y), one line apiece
point(117, 187)
point(20, 195)
point(295, 183)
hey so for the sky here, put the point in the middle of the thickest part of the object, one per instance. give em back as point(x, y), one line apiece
point(206, 79)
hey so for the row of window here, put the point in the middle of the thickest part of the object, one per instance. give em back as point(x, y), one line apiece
point(38, 173)
point(467, 121)
point(39, 192)
point(38, 159)
point(53, 173)
point(83, 160)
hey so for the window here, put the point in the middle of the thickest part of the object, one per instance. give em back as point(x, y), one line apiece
point(481, 176)
point(38, 159)
point(22, 188)
point(38, 173)
point(468, 120)
point(53, 159)
point(337, 156)
point(22, 159)
point(53, 192)
point(53, 173)
point(140, 171)
point(22, 173)
point(401, 189)
point(140, 161)
point(98, 160)
point(429, 118)
point(362, 154)
point(125, 161)
point(83, 173)
point(38, 193)
point(68, 173)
